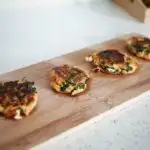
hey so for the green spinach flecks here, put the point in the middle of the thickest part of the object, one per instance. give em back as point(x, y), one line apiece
point(139, 48)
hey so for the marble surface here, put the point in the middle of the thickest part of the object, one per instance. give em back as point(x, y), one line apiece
point(126, 127)
point(33, 31)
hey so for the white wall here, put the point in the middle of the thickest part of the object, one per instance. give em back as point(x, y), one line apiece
point(37, 3)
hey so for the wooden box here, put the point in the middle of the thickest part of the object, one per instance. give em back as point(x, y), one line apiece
point(139, 9)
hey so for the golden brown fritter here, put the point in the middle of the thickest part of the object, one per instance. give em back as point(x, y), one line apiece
point(17, 99)
point(139, 46)
point(69, 80)
point(112, 62)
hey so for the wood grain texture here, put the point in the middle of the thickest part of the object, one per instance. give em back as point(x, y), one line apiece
point(56, 114)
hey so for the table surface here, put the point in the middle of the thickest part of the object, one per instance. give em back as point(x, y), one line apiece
point(32, 33)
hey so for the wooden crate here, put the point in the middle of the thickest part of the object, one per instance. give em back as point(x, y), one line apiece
point(136, 8)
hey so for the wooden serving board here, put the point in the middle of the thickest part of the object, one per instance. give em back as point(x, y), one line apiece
point(57, 113)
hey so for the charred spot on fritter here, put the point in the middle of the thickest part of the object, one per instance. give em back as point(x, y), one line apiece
point(112, 56)
point(14, 92)
point(62, 71)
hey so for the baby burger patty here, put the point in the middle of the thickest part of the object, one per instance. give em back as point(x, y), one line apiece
point(112, 62)
point(68, 80)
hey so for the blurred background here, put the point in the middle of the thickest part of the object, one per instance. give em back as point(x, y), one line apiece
point(37, 30)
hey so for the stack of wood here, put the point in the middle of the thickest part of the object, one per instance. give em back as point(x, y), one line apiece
point(139, 9)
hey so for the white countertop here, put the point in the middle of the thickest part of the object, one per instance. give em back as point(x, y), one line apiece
point(32, 31)
point(123, 128)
